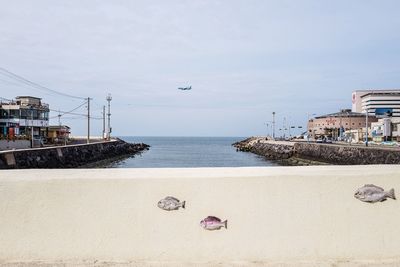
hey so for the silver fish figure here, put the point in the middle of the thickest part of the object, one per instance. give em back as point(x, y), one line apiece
point(170, 203)
point(213, 223)
point(372, 193)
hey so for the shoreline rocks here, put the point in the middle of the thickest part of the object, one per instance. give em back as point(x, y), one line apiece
point(68, 156)
point(303, 153)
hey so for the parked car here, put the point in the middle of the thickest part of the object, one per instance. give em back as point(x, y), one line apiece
point(324, 139)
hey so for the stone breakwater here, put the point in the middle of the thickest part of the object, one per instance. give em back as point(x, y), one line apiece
point(303, 153)
point(347, 155)
point(259, 146)
point(71, 156)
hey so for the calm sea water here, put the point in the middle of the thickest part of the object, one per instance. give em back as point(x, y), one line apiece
point(175, 152)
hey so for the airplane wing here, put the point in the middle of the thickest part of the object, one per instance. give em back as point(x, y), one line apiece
point(185, 88)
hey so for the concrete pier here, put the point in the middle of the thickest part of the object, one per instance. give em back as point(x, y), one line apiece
point(277, 216)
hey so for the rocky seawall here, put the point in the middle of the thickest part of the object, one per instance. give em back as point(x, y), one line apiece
point(347, 155)
point(303, 153)
point(70, 156)
point(275, 151)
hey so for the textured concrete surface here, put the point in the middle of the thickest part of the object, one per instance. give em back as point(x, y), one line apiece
point(277, 216)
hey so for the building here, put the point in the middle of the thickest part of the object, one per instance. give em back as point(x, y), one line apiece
point(335, 124)
point(58, 134)
point(386, 129)
point(376, 100)
point(24, 118)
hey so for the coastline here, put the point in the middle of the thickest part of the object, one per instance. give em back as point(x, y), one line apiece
point(69, 156)
point(300, 152)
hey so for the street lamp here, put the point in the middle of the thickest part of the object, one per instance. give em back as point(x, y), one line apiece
point(366, 126)
point(273, 124)
point(268, 123)
point(351, 135)
point(31, 127)
point(284, 127)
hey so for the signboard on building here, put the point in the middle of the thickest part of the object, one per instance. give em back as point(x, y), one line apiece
point(383, 112)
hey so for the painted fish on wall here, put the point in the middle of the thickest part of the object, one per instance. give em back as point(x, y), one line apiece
point(213, 223)
point(372, 193)
point(170, 203)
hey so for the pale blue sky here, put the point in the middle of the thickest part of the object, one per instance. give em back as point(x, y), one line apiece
point(244, 59)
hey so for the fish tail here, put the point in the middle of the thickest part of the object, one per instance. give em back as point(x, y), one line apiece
point(226, 224)
point(183, 204)
point(391, 193)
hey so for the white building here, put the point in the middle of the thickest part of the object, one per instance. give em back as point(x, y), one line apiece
point(386, 129)
point(376, 100)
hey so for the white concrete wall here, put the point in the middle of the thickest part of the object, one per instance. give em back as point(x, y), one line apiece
point(277, 216)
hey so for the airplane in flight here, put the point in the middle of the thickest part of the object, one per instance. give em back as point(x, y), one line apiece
point(185, 88)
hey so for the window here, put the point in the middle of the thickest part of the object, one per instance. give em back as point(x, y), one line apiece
point(3, 114)
point(14, 113)
point(25, 114)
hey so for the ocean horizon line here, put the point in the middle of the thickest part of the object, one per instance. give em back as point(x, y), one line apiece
point(181, 136)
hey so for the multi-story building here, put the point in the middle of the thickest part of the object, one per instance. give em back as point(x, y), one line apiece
point(26, 117)
point(385, 104)
point(376, 100)
point(335, 124)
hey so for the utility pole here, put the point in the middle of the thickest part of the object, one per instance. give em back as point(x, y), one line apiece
point(351, 134)
point(284, 127)
point(366, 127)
point(104, 122)
point(109, 98)
point(88, 121)
point(59, 118)
point(273, 125)
point(32, 145)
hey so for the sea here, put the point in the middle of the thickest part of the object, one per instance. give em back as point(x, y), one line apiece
point(188, 152)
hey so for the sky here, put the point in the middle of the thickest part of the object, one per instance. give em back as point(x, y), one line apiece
point(243, 59)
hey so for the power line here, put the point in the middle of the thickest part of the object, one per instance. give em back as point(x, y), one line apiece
point(77, 117)
point(70, 112)
point(2, 98)
point(10, 82)
point(21, 79)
